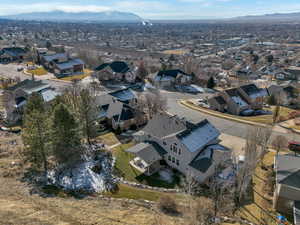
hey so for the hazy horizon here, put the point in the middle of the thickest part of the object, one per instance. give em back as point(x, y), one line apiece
point(158, 10)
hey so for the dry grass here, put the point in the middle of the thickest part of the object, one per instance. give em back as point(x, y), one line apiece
point(262, 203)
point(40, 71)
point(20, 207)
point(109, 139)
point(86, 73)
point(175, 52)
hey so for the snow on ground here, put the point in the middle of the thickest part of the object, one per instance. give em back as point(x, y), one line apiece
point(90, 175)
point(166, 175)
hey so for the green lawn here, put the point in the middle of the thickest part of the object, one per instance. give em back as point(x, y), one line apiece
point(124, 169)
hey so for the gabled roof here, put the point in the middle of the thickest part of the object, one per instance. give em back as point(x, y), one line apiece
point(124, 95)
point(50, 58)
point(14, 51)
point(162, 125)
point(220, 100)
point(198, 136)
point(150, 152)
point(116, 66)
point(69, 64)
point(250, 89)
point(29, 86)
point(288, 170)
point(204, 160)
point(171, 73)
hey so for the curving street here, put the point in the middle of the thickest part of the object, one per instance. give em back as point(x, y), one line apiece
point(225, 126)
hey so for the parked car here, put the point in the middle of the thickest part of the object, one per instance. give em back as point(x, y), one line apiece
point(294, 146)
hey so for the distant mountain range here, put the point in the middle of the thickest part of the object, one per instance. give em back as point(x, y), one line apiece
point(61, 16)
point(276, 17)
point(124, 17)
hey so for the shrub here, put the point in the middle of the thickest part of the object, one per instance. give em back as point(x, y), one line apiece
point(167, 205)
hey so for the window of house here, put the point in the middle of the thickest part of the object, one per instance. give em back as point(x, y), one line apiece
point(169, 158)
point(179, 151)
point(175, 149)
point(177, 162)
point(164, 143)
point(171, 147)
point(173, 160)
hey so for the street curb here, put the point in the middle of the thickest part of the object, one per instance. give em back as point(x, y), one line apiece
point(290, 129)
point(184, 103)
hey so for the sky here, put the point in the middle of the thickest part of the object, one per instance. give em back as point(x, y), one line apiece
point(157, 9)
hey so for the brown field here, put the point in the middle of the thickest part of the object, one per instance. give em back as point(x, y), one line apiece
point(175, 52)
point(18, 205)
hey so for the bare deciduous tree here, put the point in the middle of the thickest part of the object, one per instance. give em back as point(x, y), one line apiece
point(279, 143)
point(152, 103)
point(201, 212)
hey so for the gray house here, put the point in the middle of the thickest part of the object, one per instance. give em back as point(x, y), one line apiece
point(19, 93)
point(287, 192)
point(190, 148)
point(243, 100)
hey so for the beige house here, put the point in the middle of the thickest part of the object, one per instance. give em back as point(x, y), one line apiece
point(190, 148)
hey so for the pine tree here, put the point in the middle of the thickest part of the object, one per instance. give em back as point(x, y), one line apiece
point(65, 136)
point(87, 113)
point(35, 133)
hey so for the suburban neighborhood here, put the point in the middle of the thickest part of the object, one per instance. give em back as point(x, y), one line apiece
point(152, 122)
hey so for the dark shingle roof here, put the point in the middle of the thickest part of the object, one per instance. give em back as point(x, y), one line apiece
point(26, 84)
point(220, 100)
point(116, 66)
point(123, 95)
point(14, 51)
point(250, 89)
point(170, 73)
point(149, 152)
point(162, 125)
point(288, 170)
point(202, 164)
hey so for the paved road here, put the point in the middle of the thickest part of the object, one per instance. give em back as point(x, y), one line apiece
point(225, 126)
point(10, 71)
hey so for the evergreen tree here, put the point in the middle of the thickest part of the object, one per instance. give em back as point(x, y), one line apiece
point(35, 133)
point(211, 83)
point(65, 136)
point(87, 113)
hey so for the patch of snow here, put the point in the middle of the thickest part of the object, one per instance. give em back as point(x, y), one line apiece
point(166, 175)
point(90, 175)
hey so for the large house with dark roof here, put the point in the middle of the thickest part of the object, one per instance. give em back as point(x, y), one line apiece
point(117, 70)
point(167, 78)
point(19, 93)
point(62, 65)
point(243, 100)
point(287, 191)
point(12, 54)
point(118, 112)
point(190, 148)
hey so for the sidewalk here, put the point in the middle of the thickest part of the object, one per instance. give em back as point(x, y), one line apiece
point(223, 116)
point(278, 128)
